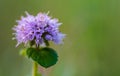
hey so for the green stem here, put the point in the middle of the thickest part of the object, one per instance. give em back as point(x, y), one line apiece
point(35, 69)
point(35, 66)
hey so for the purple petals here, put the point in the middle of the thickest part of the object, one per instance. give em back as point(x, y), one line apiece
point(48, 37)
point(33, 27)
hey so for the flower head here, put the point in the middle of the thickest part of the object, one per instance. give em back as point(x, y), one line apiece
point(39, 28)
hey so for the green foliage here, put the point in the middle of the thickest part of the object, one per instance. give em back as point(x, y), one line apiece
point(46, 57)
point(23, 52)
point(30, 51)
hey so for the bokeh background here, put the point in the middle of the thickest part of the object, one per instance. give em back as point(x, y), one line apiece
point(92, 44)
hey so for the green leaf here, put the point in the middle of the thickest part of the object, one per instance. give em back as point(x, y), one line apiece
point(46, 57)
point(30, 51)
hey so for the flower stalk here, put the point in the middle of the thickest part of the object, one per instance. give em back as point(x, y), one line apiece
point(35, 69)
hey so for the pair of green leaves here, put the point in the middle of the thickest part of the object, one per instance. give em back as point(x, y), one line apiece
point(46, 57)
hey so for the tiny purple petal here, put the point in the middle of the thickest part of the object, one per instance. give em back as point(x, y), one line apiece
point(58, 38)
point(48, 37)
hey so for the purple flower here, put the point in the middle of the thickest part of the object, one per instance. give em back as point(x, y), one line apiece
point(38, 28)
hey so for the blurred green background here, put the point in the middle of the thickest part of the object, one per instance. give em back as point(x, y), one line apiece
point(92, 44)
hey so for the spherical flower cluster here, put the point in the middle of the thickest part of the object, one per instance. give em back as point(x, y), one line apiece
point(39, 28)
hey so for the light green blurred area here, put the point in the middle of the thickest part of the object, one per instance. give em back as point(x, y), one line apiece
point(92, 44)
